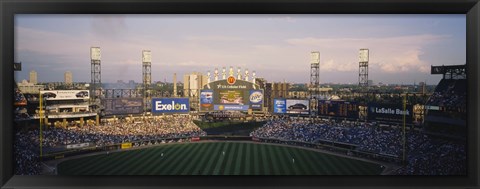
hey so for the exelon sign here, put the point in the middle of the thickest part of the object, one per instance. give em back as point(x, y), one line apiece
point(170, 105)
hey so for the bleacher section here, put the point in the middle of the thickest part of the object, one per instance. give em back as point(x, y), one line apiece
point(447, 107)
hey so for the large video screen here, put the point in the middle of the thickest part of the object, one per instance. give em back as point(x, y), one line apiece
point(234, 95)
point(122, 106)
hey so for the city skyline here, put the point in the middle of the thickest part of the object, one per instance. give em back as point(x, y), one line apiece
point(277, 47)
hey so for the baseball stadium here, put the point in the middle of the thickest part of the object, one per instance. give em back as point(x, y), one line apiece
point(237, 124)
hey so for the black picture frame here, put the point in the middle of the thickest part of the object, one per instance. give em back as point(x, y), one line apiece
point(8, 8)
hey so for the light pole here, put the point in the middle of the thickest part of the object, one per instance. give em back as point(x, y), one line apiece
point(41, 122)
point(404, 135)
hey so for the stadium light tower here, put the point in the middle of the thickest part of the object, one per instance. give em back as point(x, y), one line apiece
point(147, 77)
point(314, 72)
point(314, 79)
point(363, 68)
point(96, 74)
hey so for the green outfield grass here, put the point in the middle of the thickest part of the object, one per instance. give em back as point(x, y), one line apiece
point(208, 159)
point(229, 128)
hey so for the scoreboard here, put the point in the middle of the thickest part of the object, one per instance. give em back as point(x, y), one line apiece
point(122, 106)
point(338, 108)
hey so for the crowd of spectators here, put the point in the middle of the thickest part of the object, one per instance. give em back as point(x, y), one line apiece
point(367, 137)
point(20, 112)
point(109, 133)
point(450, 94)
point(430, 156)
point(123, 131)
point(426, 155)
point(27, 160)
point(19, 97)
point(31, 97)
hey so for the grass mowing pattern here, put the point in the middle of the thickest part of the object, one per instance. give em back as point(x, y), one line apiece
point(208, 159)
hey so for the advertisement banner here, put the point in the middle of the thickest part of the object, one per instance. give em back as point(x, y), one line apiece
point(122, 106)
point(389, 112)
point(231, 107)
point(73, 146)
point(65, 94)
point(256, 99)
point(206, 100)
point(170, 105)
point(296, 106)
point(126, 145)
point(279, 106)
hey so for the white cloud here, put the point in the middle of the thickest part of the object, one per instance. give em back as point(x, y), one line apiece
point(218, 38)
point(331, 66)
point(388, 54)
point(46, 42)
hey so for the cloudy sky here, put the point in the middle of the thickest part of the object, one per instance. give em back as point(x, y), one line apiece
point(402, 47)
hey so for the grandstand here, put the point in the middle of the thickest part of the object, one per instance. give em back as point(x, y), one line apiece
point(446, 107)
point(235, 111)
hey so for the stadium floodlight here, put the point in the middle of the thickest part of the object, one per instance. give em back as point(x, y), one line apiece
point(363, 55)
point(146, 56)
point(95, 53)
point(315, 57)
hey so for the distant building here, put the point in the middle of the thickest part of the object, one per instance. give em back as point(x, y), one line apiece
point(422, 87)
point(193, 83)
point(68, 77)
point(131, 84)
point(298, 94)
point(29, 88)
point(33, 77)
point(370, 82)
point(275, 90)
